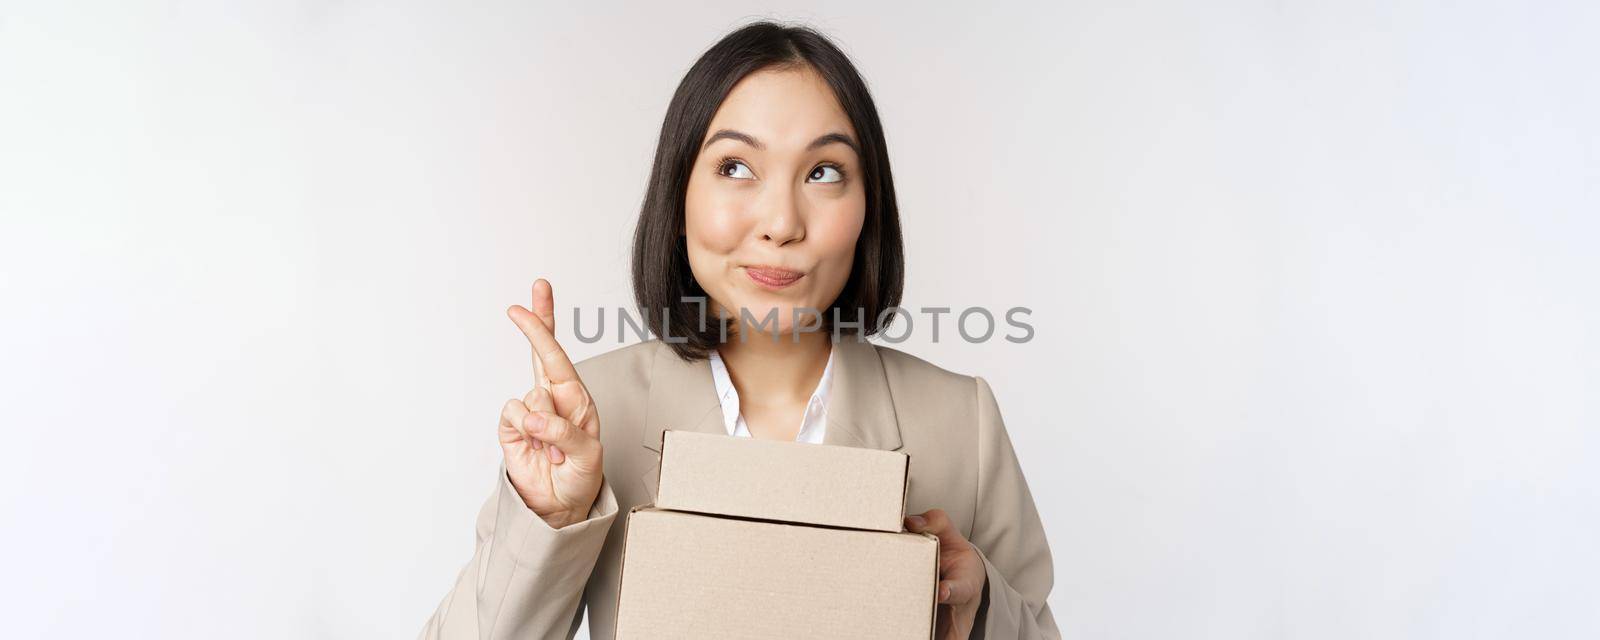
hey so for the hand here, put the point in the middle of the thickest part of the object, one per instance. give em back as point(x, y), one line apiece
point(961, 575)
point(551, 437)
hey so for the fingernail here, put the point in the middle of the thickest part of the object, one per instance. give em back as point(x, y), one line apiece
point(535, 422)
point(944, 592)
point(915, 522)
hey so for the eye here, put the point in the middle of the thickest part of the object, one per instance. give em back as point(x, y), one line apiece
point(825, 173)
point(736, 169)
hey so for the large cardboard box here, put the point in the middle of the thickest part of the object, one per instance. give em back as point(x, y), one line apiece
point(751, 575)
point(706, 577)
point(773, 480)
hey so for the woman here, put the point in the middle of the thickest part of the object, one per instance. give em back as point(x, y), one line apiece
point(770, 198)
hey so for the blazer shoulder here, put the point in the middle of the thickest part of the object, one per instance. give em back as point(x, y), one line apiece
point(906, 371)
point(622, 369)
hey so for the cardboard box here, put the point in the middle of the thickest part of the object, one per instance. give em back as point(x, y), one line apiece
point(789, 481)
point(760, 539)
point(707, 577)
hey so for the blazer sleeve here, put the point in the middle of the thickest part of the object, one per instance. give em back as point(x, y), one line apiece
point(525, 579)
point(1009, 537)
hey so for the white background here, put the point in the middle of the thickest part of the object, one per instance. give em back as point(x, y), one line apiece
point(1313, 284)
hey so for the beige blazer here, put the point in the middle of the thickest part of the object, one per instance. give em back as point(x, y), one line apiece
point(527, 580)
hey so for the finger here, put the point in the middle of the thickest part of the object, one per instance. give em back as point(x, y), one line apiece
point(936, 522)
point(538, 399)
point(512, 413)
point(954, 592)
point(511, 417)
point(576, 405)
point(556, 455)
point(547, 351)
point(540, 379)
point(544, 303)
point(576, 444)
point(580, 415)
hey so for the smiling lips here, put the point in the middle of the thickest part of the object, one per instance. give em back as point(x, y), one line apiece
point(772, 277)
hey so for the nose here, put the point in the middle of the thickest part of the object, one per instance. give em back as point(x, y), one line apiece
point(781, 222)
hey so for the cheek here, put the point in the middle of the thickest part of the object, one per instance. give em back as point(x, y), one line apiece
point(712, 220)
point(836, 232)
point(713, 228)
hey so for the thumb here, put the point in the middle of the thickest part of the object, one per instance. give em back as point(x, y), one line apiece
point(954, 592)
point(575, 444)
point(540, 400)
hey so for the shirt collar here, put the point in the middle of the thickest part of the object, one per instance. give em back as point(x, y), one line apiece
point(815, 416)
point(726, 394)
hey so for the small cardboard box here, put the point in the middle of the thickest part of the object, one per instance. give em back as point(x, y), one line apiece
point(708, 577)
point(790, 481)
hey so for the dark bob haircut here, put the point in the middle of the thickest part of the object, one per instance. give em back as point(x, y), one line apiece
point(662, 281)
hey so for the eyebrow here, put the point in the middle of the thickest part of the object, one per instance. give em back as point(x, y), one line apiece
point(821, 141)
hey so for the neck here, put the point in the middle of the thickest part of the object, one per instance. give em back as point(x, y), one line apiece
point(767, 371)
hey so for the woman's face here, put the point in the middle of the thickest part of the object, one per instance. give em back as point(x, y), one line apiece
point(775, 201)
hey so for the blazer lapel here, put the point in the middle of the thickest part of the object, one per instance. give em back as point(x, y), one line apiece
point(682, 397)
point(860, 407)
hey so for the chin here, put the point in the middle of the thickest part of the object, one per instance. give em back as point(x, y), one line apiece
point(760, 309)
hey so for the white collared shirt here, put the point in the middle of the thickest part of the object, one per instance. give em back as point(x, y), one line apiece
point(813, 425)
